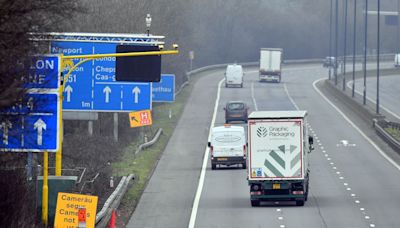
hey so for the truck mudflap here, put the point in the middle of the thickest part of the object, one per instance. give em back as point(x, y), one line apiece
point(279, 191)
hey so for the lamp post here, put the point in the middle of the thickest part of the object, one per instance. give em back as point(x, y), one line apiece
point(148, 23)
point(345, 46)
point(336, 40)
point(365, 53)
point(330, 41)
point(354, 45)
point(377, 60)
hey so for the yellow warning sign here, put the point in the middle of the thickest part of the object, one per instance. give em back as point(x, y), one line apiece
point(141, 118)
point(70, 207)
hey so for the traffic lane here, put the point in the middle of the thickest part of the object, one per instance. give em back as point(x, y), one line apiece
point(389, 92)
point(168, 197)
point(330, 197)
point(356, 168)
point(225, 200)
point(226, 195)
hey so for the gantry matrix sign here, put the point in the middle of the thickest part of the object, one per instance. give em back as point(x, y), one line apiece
point(141, 118)
point(70, 208)
point(32, 124)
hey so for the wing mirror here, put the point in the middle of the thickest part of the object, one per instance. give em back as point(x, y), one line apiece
point(209, 144)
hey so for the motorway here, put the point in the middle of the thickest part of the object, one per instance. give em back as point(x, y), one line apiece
point(389, 92)
point(352, 185)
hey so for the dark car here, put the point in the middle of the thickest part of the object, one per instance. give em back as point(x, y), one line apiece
point(236, 111)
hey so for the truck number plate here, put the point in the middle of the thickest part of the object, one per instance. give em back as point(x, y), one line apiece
point(222, 159)
point(276, 186)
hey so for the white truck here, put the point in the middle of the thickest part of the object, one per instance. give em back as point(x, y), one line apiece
point(270, 64)
point(278, 152)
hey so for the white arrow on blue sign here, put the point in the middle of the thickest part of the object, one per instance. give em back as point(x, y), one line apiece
point(92, 86)
point(31, 126)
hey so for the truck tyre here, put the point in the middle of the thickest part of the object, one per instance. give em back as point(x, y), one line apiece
point(213, 166)
point(255, 203)
point(299, 202)
point(241, 85)
point(244, 166)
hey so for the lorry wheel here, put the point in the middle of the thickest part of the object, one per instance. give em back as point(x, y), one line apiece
point(255, 203)
point(244, 166)
point(213, 166)
point(241, 85)
point(299, 202)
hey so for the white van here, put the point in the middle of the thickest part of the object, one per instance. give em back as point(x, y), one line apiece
point(234, 75)
point(228, 146)
point(397, 60)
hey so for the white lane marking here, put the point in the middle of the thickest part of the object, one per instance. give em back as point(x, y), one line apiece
point(373, 102)
point(291, 99)
point(252, 96)
point(196, 202)
point(354, 126)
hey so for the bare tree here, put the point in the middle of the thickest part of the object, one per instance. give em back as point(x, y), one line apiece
point(18, 19)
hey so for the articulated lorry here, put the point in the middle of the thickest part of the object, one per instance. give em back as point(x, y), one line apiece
point(278, 152)
point(270, 64)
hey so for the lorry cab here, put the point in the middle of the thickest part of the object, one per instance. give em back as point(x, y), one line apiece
point(228, 146)
point(234, 75)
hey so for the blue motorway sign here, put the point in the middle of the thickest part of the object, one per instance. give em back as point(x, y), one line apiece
point(32, 124)
point(164, 91)
point(92, 86)
point(44, 72)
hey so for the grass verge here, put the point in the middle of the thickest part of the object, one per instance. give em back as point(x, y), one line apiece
point(394, 132)
point(143, 163)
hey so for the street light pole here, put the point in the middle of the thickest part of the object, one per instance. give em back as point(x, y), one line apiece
point(365, 54)
point(336, 41)
point(345, 46)
point(377, 60)
point(354, 46)
point(330, 41)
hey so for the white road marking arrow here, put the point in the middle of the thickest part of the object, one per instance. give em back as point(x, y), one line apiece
point(136, 92)
point(345, 143)
point(68, 90)
point(5, 125)
point(107, 91)
point(40, 125)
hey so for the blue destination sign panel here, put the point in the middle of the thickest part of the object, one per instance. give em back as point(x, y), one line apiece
point(44, 72)
point(92, 85)
point(164, 91)
point(32, 124)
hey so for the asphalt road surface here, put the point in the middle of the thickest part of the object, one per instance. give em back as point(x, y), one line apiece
point(352, 184)
point(389, 92)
